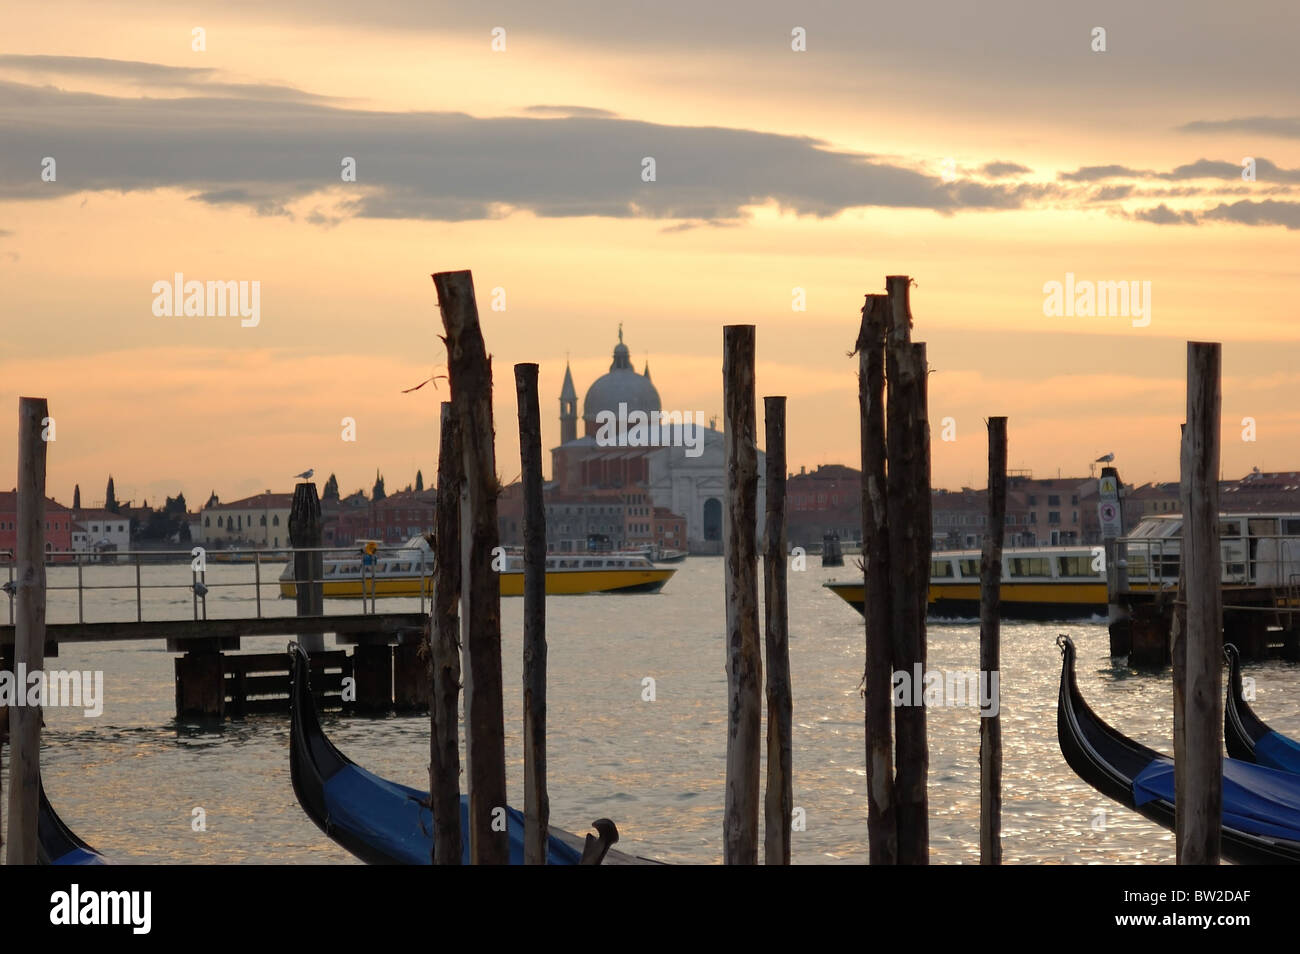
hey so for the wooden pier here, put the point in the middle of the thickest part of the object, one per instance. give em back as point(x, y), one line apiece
point(212, 682)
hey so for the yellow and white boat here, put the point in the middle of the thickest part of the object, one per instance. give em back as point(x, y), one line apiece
point(1043, 583)
point(408, 571)
point(1039, 583)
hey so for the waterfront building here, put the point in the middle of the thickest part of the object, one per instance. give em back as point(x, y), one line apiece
point(261, 520)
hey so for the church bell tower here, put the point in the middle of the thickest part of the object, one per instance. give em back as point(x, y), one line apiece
point(568, 408)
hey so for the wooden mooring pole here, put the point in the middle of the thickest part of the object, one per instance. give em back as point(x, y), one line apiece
point(908, 442)
point(882, 819)
point(1200, 803)
point(470, 372)
point(444, 648)
point(29, 631)
point(991, 649)
point(537, 806)
point(778, 800)
point(882, 825)
point(744, 662)
point(308, 567)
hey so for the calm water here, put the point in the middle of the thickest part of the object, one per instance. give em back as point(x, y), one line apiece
point(129, 780)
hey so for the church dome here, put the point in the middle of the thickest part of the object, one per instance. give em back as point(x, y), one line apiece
point(622, 385)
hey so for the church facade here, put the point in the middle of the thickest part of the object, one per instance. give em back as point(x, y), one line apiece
point(685, 473)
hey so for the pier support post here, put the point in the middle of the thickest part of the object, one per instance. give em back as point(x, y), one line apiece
point(308, 567)
point(444, 655)
point(991, 649)
point(410, 677)
point(201, 684)
point(29, 630)
point(744, 662)
point(778, 800)
point(470, 373)
point(372, 668)
point(537, 807)
point(1199, 802)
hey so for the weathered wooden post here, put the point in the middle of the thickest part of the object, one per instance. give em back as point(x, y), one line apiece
point(444, 649)
point(1200, 803)
point(29, 630)
point(882, 826)
point(470, 373)
point(908, 482)
point(991, 649)
point(308, 567)
point(778, 800)
point(537, 806)
point(744, 662)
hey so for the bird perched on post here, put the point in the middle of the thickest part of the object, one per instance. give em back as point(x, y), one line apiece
point(1105, 458)
point(305, 475)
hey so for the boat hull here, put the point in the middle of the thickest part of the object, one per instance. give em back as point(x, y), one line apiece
point(1018, 601)
point(1261, 806)
point(379, 821)
point(568, 583)
point(1245, 735)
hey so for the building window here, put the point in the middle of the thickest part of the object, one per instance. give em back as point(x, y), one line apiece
point(1054, 516)
point(1053, 500)
point(263, 520)
point(207, 521)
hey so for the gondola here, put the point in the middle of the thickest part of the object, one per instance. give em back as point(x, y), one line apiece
point(56, 843)
point(383, 822)
point(1246, 735)
point(1261, 806)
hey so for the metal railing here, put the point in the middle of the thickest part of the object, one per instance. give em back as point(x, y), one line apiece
point(199, 561)
point(1153, 563)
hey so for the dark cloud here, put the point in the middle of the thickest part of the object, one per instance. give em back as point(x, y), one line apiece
point(1246, 212)
point(998, 170)
point(1112, 193)
point(155, 75)
point(1284, 126)
point(1163, 215)
point(1265, 171)
point(449, 166)
point(1098, 173)
point(589, 112)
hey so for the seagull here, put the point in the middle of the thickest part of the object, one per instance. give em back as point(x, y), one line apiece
point(1103, 459)
point(306, 474)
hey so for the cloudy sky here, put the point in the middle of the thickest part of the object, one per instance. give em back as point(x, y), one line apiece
point(984, 149)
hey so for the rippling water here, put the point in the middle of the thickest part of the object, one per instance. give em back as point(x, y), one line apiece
point(129, 780)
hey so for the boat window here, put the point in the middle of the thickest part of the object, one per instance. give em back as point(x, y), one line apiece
point(1030, 566)
point(941, 568)
point(1292, 527)
point(591, 563)
point(1076, 566)
point(1263, 527)
point(402, 567)
point(970, 568)
point(1137, 567)
point(618, 563)
point(329, 570)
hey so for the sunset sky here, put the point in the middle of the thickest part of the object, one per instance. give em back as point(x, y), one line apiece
point(983, 149)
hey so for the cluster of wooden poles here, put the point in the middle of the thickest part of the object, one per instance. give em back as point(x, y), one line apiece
point(896, 559)
point(466, 535)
